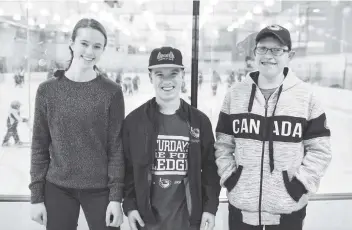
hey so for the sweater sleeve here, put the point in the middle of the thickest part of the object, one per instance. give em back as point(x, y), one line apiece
point(116, 165)
point(129, 199)
point(40, 157)
point(225, 145)
point(210, 179)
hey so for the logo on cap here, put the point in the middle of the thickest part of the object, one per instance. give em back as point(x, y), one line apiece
point(274, 27)
point(170, 56)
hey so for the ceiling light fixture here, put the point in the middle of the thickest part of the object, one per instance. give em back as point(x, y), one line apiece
point(257, 9)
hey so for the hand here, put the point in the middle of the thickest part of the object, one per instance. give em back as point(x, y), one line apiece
point(208, 221)
point(114, 210)
point(295, 188)
point(133, 218)
point(38, 213)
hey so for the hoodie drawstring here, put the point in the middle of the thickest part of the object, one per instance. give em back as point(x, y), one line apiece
point(255, 76)
point(271, 126)
point(271, 141)
point(251, 99)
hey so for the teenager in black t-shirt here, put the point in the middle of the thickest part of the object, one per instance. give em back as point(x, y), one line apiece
point(171, 179)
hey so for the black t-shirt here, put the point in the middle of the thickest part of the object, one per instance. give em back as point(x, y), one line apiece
point(169, 175)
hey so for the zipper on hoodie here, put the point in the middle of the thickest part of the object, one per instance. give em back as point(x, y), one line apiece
point(262, 163)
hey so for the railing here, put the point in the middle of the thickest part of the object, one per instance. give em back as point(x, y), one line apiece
point(324, 212)
point(315, 197)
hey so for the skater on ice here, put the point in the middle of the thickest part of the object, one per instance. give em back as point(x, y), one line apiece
point(12, 121)
point(215, 81)
point(231, 79)
point(119, 76)
point(249, 65)
point(19, 77)
point(76, 155)
point(172, 169)
point(136, 82)
point(200, 79)
point(127, 85)
point(273, 144)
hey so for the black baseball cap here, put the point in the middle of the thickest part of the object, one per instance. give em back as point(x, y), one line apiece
point(165, 57)
point(276, 31)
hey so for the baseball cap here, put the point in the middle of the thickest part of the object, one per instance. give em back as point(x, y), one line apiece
point(165, 57)
point(278, 32)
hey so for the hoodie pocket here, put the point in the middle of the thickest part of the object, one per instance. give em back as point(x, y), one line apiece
point(243, 188)
point(231, 182)
point(276, 196)
point(287, 184)
point(294, 187)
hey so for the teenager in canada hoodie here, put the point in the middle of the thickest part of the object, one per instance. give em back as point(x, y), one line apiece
point(273, 144)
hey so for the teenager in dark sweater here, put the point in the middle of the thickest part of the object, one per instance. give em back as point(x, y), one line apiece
point(77, 157)
point(171, 176)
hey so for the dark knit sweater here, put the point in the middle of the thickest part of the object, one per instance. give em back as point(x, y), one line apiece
point(76, 139)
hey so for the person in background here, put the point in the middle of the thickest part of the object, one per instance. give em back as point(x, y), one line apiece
point(19, 77)
point(200, 79)
point(136, 81)
point(231, 79)
point(12, 121)
point(119, 75)
point(171, 181)
point(249, 65)
point(215, 81)
point(273, 142)
point(127, 85)
point(76, 154)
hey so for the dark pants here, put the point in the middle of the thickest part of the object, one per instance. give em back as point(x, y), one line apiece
point(63, 207)
point(11, 132)
point(293, 221)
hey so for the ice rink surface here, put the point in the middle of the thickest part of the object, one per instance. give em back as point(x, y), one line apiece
point(15, 162)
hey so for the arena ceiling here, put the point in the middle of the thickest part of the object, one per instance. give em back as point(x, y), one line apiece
point(148, 21)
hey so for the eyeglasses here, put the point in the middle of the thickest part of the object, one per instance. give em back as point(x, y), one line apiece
point(274, 51)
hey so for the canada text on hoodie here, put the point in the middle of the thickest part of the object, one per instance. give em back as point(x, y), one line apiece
point(271, 155)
